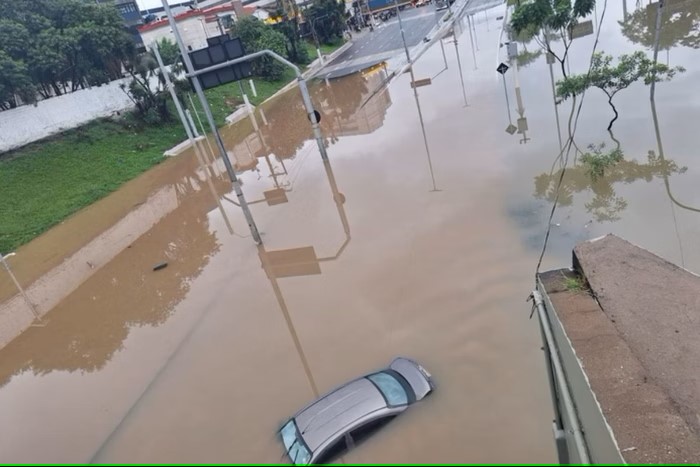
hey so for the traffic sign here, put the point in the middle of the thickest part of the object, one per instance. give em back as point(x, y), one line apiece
point(502, 68)
point(421, 82)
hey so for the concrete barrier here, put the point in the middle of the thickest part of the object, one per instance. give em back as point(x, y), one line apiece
point(29, 123)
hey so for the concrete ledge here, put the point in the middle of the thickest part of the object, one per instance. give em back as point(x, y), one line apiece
point(239, 114)
point(655, 305)
point(629, 348)
point(177, 150)
point(624, 412)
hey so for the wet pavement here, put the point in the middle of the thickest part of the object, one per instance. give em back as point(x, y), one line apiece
point(372, 47)
point(202, 361)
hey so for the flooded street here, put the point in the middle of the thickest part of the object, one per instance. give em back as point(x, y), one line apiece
point(363, 259)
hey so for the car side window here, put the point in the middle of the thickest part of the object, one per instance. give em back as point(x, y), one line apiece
point(390, 387)
point(360, 434)
point(333, 451)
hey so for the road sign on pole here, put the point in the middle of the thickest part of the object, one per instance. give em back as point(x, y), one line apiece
point(421, 82)
point(197, 84)
point(502, 68)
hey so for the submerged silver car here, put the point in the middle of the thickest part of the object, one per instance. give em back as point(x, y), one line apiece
point(325, 427)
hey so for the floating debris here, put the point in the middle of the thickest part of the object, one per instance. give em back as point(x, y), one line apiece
point(161, 265)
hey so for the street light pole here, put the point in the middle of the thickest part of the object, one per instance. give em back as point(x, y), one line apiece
point(210, 118)
point(313, 31)
point(190, 130)
point(31, 306)
point(471, 40)
point(459, 65)
point(415, 95)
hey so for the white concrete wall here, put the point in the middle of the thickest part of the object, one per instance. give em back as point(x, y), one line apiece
point(194, 32)
point(29, 123)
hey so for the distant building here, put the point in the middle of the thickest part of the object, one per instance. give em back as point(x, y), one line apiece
point(195, 25)
point(129, 11)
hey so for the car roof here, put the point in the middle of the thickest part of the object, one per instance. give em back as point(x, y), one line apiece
point(338, 410)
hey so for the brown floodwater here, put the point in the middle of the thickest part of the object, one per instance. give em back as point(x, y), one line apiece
point(362, 261)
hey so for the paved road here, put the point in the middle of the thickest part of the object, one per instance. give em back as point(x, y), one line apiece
point(384, 42)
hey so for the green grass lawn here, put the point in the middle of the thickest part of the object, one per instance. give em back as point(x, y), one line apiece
point(325, 48)
point(44, 182)
point(224, 99)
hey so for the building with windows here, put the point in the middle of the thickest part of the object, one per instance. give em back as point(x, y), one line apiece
point(196, 25)
point(131, 15)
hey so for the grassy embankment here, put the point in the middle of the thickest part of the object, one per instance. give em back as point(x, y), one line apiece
point(43, 183)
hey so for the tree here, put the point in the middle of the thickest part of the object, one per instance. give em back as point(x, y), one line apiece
point(63, 45)
point(169, 51)
point(326, 18)
point(680, 27)
point(257, 36)
point(14, 82)
point(606, 205)
point(289, 27)
point(613, 79)
point(147, 87)
point(597, 160)
point(538, 18)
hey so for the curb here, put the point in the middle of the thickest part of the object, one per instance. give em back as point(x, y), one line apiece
point(329, 59)
point(177, 149)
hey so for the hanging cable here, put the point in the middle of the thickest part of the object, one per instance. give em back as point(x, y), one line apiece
point(568, 145)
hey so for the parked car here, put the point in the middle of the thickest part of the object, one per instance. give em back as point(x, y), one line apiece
point(348, 413)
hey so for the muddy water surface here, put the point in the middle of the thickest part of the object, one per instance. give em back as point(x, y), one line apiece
point(196, 362)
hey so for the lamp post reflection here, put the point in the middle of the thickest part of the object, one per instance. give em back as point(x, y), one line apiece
point(663, 159)
point(510, 129)
point(522, 120)
point(302, 261)
point(471, 41)
point(550, 64)
point(652, 98)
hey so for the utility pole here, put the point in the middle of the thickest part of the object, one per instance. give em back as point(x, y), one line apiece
point(415, 95)
point(29, 303)
point(459, 65)
point(191, 131)
point(215, 131)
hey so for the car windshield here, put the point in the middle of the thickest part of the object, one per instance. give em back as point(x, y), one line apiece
point(295, 447)
point(393, 392)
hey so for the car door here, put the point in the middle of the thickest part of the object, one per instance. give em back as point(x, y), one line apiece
point(334, 451)
point(364, 431)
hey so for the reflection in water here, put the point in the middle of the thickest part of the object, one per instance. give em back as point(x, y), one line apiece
point(84, 330)
point(680, 25)
point(667, 184)
point(606, 204)
point(342, 113)
point(302, 262)
point(521, 121)
point(525, 57)
point(341, 104)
